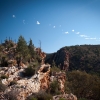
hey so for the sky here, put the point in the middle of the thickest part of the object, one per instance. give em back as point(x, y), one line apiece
point(56, 23)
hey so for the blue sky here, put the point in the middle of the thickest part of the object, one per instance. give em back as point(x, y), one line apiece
point(56, 23)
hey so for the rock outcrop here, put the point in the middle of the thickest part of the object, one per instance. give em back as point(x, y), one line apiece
point(27, 86)
point(61, 78)
point(61, 59)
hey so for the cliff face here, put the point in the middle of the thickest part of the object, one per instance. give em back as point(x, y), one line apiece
point(61, 58)
point(83, 57)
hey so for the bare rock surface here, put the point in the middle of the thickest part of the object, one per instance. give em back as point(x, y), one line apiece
point(26, 86)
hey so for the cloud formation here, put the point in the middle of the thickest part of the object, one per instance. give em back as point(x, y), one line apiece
point(91, 38)
point(72, 30)
point(37, 22)
point(54, 26)
point(66, 32)
point(13, 16)
point(77, 32)
point(23, 21)
point(83, 36)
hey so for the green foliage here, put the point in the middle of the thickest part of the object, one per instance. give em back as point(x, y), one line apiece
point(12, 95)
point(13, 82)
point(40, 96)
point(2, 87)
point(22, 47)
point(84, 85)
point(54, 88)
point(55, 69)
point(4, 61)
point(4, 76)
point(62, 99)
point(29, 71)
point(53, 64)
point(82, 99)
point(82, 57)
point(32, 98)
point(31, 49)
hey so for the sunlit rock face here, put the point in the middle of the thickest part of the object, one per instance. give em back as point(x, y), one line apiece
point(61, 78)
point(66, 61)
point(27, 86)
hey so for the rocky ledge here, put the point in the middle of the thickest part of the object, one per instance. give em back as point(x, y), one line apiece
point(25, 86)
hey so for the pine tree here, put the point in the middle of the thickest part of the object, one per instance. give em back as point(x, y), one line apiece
point(22, 47)
point(31, 48)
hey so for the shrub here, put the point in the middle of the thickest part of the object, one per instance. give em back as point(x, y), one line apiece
point(29, 71)
point(84, 85)
point(62, 99)
point(40, 96)
point(11, 95)
point(54, 86)
point(31, 98)
point(4, 76)
point(13, 82)
point(82, 99)
point(2, 87)
point(43, 96)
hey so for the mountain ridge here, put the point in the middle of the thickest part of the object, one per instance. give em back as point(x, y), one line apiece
point(81, 57)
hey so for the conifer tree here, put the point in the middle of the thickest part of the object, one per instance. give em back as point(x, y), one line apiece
point(22, 47)
point(31, 48)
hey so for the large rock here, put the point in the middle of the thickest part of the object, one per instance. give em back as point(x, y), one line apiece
point(61, 78)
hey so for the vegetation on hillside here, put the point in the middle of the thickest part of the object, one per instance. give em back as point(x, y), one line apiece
point(83, 77)
point(81, 57)
point(20, 51)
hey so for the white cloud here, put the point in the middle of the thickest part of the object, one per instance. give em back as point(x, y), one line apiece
point(72, 30)
point(83, 36)
point(54, 26)
point(91, 38)
point(38, 22)
point(13, 16)
point(77, 32)
point(23, 21)
point(66, 32)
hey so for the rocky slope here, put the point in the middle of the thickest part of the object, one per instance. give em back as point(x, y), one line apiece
point(25, 86)
point(83, 57)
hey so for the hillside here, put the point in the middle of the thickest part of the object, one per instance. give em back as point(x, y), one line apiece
point(79, 57)
point(26, 75)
